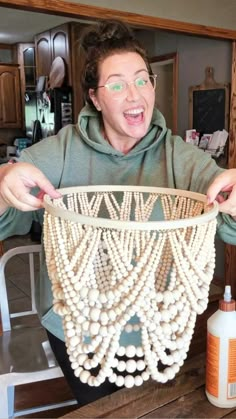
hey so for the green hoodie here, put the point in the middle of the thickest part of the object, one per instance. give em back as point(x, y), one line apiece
point(79, 155)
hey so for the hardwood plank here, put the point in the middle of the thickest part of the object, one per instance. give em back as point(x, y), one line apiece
point(82, 11)
point(1, 248)
point(37, 394)
point(230, 415)
point(53, 413)
point(43, 393)
point(142, 400)
point(187, 406)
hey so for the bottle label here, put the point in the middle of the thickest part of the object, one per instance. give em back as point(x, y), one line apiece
point(212, 364)
point(232, 370)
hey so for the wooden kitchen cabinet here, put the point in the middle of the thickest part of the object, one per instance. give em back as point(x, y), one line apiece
point(60, 46)
point(26, 61)
point(10, 96)
point(27, 65)
point(43, 54)
point(62, 41)
point(77, 59)
point(51, 44)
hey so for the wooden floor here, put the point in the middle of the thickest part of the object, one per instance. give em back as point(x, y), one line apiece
point(36, 394)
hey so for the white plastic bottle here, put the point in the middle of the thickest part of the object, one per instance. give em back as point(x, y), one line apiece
point(221, 354)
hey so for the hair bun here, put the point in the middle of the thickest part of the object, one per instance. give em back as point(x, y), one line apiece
point(90, 40)
point(105, 31)
point(116, 30)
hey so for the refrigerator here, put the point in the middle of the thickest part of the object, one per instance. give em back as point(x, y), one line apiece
point(61, 106)
point(47, 112)
point(31, 112)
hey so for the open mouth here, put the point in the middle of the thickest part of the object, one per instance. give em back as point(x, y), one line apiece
point(134, 116)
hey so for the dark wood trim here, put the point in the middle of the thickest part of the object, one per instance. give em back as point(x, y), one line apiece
point(232, 112)
point(163, 57)
point(230, 251)
point(6, 46)
point(10, 64)
point(175, 92)
point(1, 248)
point(82, 11)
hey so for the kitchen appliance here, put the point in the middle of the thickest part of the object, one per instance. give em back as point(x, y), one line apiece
point(57, 73)
point(49, 107)
point(60, 95)
point(47, 112)
point(31, 111)
point(61, 106)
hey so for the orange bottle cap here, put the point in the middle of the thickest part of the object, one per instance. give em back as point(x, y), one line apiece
point(227, 305)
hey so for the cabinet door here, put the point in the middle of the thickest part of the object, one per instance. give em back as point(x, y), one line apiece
point(43, 54)
point(77, 59)
point(26, 61)
point(60, 46)
point(10, 97)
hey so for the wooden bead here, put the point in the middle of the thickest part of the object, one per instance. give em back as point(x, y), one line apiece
point(102, 277)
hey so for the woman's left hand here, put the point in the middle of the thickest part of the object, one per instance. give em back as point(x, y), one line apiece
point(225, 182)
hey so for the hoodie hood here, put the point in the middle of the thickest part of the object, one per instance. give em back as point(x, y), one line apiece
point(89, 126)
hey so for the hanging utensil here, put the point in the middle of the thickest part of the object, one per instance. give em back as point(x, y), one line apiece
point(57, 73)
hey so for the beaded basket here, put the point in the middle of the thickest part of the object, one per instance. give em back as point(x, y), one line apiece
point(130, 269)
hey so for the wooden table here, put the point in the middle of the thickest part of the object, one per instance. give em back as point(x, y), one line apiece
point(183, 397)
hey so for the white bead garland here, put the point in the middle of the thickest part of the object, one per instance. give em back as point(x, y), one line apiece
point(101, 277)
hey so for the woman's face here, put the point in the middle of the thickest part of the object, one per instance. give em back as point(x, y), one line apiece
point(127, 114)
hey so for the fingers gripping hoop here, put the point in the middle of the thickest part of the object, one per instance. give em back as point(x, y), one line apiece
point(129, 264)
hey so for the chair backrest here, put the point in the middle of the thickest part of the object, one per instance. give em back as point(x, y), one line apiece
point(32, 251)
point(25, 353)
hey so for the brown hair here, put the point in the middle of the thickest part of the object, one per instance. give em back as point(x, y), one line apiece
point(99, 42)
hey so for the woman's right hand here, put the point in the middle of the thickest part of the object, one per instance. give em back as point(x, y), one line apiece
point(16, 182)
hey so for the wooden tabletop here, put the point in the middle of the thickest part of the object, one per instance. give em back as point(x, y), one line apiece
point(183, 397)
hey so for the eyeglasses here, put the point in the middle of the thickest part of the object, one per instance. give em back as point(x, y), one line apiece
point(119, 87)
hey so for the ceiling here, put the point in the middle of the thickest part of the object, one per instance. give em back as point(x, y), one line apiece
point(21, 26)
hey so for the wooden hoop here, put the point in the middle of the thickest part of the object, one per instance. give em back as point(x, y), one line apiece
point(132, 225)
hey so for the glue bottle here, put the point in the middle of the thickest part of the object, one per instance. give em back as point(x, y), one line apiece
point(221, 354)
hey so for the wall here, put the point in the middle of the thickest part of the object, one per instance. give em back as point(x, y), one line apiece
point(194, 55)
point(216, 13)
point(6, 56)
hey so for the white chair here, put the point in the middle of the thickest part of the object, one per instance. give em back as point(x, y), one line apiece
point(25, 353)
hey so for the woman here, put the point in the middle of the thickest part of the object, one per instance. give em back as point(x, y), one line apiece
point(120, 138)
